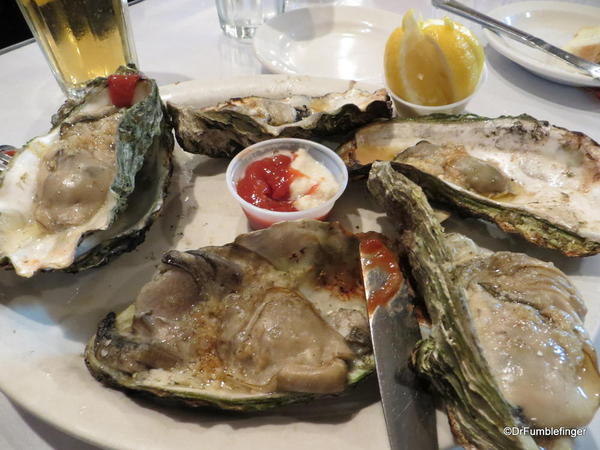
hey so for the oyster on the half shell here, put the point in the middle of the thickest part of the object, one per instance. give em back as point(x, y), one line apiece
point(507, 347)
point(87, 190)
point(276, 317)
point(227, 128)
point(525, 175)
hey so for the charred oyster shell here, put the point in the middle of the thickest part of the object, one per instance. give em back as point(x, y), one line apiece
point(88, 190)
point(507, 345)
point(525, 175)
point(227, 128)
point(276, 317)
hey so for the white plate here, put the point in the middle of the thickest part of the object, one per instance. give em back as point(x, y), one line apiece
point(554, 22)
point(328, 41)
point(45, 321)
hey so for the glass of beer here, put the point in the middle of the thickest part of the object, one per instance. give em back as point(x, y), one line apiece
point(81, 39)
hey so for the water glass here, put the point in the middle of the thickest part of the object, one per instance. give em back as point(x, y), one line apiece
point(241, 18)
point(81, 39)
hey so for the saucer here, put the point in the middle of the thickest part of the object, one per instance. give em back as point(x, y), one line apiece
point(344, 42)
point(554, 22)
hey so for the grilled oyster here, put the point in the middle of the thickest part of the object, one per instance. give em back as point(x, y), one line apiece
point(88, 189)
point(227, 128)
point(507, 346)
point(525, 175)
point(276, 317)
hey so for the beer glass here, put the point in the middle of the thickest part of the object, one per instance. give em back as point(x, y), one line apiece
point(81, 39)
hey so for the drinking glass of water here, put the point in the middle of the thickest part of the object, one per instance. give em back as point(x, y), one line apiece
point(241, 18)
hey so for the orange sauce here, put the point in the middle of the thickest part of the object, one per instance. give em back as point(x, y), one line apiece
point(381, 257)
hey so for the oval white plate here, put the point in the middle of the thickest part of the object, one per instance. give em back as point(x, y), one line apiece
point(328, 41)
point(46, 321)
point(554, 22)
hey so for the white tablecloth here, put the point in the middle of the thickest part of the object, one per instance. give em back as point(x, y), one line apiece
point(179, 40)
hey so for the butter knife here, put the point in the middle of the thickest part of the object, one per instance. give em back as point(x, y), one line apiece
point(409, 411)
point(514, 33)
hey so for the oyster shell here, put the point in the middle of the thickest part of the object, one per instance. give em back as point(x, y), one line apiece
point(525, 175)
point(87, 190)
point(276, 317)
point(227, 128)
point(507, 345)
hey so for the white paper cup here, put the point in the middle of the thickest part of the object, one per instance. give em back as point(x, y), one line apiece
point(407, 109)
point(262, 218)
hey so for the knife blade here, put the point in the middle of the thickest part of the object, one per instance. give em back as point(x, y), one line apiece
point(409, 410)
point(497, 26)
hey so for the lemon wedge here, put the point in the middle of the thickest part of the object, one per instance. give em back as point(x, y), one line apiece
point(432, 63)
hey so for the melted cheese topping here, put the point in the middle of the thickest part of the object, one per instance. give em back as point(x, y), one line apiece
point(49, 197)
point(239, 320)
point(74, 180)
point(528, 319)
point(282, 344)
point(298, 110)
point(264, 338)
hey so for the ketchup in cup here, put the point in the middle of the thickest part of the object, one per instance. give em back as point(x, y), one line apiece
point(266, 183)
point(286, 179)
point(121, 89)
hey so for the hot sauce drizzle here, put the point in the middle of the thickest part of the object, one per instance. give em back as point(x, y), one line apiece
point(380, 257)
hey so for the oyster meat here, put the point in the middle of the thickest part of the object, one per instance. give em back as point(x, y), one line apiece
point(525, 175)
point(88, 189)
point(507, 347)
point(276, 317)
point(227, 128)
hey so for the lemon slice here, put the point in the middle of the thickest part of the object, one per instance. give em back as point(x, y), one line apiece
point(432, 63)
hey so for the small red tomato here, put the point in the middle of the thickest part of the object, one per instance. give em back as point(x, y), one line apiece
point(121, 89)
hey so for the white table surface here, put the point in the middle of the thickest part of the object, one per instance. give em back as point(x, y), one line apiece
point(179, 40)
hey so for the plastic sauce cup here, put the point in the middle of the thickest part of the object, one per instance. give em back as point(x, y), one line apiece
point(262, 218)
point(407, 109)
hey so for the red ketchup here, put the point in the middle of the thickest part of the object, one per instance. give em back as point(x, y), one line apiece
point(266, 183)
point(121, 89)
point(381, 257)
